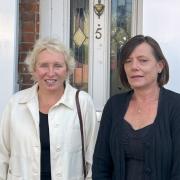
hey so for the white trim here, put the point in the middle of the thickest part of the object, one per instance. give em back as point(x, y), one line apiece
point(45, 18)
point(55, 19)
point(99, 63)
point(8, 49)
point(137, 17)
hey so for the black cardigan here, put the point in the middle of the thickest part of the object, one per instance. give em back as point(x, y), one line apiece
point(162, 154)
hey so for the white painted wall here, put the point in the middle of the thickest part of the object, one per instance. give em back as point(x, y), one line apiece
point(8, 49)
point(161, 20)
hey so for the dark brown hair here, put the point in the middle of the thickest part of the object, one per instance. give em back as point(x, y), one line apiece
point(129, 47)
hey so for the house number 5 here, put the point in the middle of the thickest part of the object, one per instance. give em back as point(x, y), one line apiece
point(98, 32)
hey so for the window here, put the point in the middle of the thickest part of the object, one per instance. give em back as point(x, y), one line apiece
point(79, 41)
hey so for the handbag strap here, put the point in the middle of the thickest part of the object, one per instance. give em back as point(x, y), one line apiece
point(81, 129)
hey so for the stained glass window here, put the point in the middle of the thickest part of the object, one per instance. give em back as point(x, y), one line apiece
point(79, 40)
point(120, 33)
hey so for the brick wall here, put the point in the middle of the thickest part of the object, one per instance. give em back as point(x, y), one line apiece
point(28, 33)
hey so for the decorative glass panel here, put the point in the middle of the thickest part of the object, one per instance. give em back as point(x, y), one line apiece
point(79, 40)
point(120, 33)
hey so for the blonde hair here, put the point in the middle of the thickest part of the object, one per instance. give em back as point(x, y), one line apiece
point(51, 45)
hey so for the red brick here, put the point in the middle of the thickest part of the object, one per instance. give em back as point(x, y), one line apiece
point(25, 86)
point(29, 1)
point(28, 26)
point(26, 78)
point(29, 32)
point(37, 27)
point(25, 47)
point(29, 7)
point(28, 37)
point(26, 16)
point(37, 35)
point(22, 56)
point(22, 68)
point(37, 17)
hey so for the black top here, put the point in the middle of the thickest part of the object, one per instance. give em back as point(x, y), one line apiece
point(162, 144)
point(134, 150)
point(45, 147)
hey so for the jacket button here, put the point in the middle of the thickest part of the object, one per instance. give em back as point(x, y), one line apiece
point(59, 175)
point(10, 171)
point(56, 125)
point(148, 171)
point(58, 148)
point(35, 173)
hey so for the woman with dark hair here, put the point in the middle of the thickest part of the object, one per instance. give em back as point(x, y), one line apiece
point(139, 135)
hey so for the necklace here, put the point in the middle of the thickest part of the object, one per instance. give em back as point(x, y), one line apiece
point(147, 103)
point(138, 110)
point(144, 106)
point(138, 107)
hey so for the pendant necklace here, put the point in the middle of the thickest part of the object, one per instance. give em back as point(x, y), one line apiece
point(138, 110)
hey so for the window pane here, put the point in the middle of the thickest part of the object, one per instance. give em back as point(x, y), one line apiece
point(79, 40)
point(120, 32)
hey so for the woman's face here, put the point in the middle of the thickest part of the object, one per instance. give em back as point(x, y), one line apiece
point(142, 68)
point(50, 71)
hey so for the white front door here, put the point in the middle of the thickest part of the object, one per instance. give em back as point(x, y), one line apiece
point(95, 30)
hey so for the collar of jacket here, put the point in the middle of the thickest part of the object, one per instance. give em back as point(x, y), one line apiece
point(67, 99)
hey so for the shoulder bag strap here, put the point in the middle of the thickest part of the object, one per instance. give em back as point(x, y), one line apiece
point(81, 129)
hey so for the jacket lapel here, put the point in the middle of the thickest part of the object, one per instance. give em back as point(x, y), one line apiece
point(34, 110)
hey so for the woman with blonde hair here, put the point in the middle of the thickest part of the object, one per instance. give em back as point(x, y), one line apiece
point(40, 134)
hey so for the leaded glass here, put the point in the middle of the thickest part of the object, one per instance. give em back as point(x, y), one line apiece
point(79, 40)
point(120, 33)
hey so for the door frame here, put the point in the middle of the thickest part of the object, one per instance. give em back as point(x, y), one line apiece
point(54, 22)
point(8, 49)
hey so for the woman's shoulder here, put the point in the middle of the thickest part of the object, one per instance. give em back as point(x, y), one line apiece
point(170, 96)
point(170, 101)
point(120, 98)
point(83, 95)
point(24, 95)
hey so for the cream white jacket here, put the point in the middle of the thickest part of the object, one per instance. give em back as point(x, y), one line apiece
point(20, 143)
